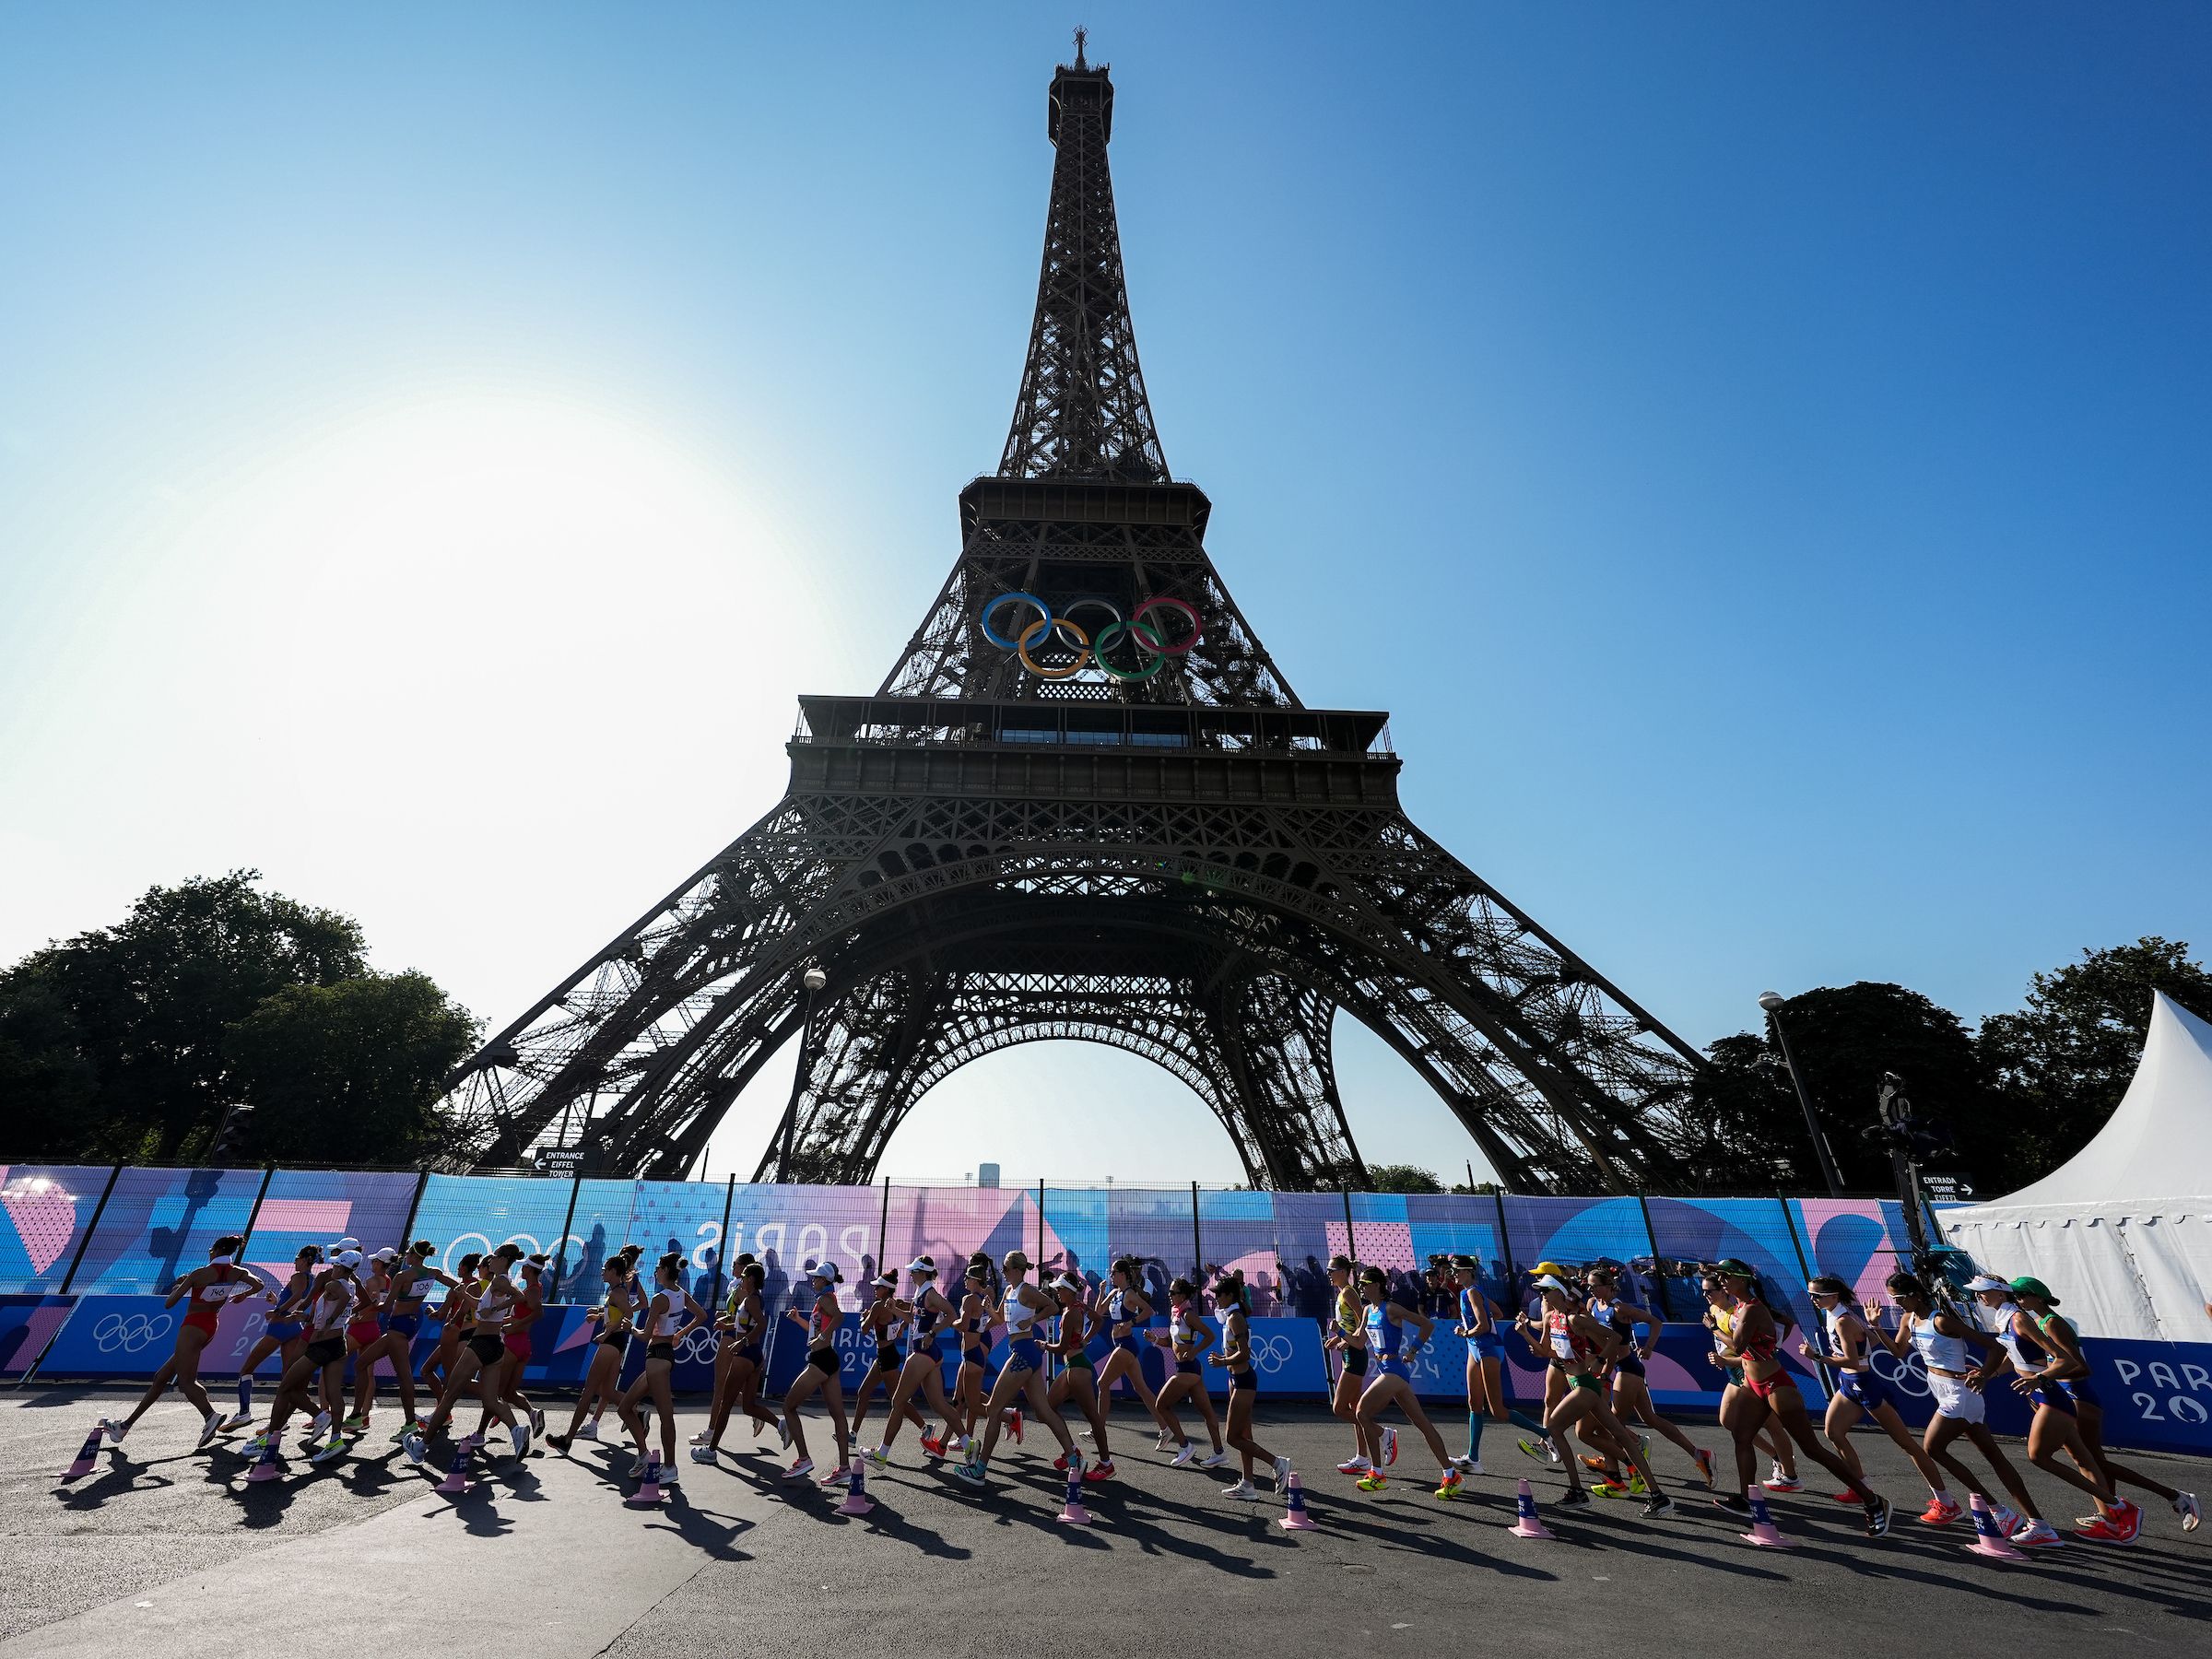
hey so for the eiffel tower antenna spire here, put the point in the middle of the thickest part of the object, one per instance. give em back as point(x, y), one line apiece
point(1084, 804)
point(1082, 34)
point(1082, 412)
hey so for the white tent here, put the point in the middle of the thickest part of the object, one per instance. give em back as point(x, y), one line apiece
point(2122, 1232)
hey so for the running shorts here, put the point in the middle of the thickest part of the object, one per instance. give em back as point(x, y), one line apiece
point(518, 1344)
point(287, 1330)
point(888, 1357)
point(661, 1350)
point(1490, 1345)
point(363, 1332)
point(618, 1340)
point(1023, 1353)
point(201, 1317)
point(2055, 1396)
point(1869, 1390)
point(1080, 1361)
point(824, 1361)
point(1243, 1383)
point(489, 1350)
point(2084, 1392)
point(1355, 1362)
point(326, 1350)
point(1186, 1367)
point(1585, 1379)
point(1767, 1387)
point(1630, 1364)
point(406, 1325)
point(1954, 1399)
point(749, 1350)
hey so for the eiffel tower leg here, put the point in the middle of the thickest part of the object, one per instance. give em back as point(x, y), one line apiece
point(1276, 1039)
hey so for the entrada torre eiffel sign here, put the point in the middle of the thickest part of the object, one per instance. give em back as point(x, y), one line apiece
point(1086, 803)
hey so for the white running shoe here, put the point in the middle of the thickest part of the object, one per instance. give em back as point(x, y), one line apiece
point(1183, 1456)
point(841, 1476)
point(1390, 1446)
point(590, 1431)
point(237, 1419)
point(800, 1470)
point(1282, 1472)
point(2037, 1534)
point(702, 1453)
point(519, 1434)
point(668, 1476)
point(1467, 1465)
point(537, 1420)
point(315, 1430)
point(1214, 1461)
point(1354, 1465)
point(115, 1431)
point(2187, 1507)
point(334, 1447)
point(878, 1455)
point(1245, 1491)
point(1164, 1442)
point(702, 1437)
point(210, 1426)
point(413, 1447)
point(783, 1428)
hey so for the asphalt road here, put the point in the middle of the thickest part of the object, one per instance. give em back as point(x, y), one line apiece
point(166, 1550)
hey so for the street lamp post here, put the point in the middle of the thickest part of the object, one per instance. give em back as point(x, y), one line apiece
point(814, 979)
point(1771, 1001)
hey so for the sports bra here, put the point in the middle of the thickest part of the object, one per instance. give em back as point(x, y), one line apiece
point(616, 1312)
point(744, 1318)
point(1936, 1351)
point(1383, 1333)
point(1117, 1309)
point(827, 1315)
point(1182, 1328)
point(1474, 1309)
point(493, 1300)
point(1831, 1321)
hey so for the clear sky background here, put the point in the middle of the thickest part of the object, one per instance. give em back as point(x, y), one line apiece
point(1760, 455)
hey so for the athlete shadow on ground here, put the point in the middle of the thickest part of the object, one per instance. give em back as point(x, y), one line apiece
point(886, 1520)
point(2013, 1583)
point(1119, 1511)
point(118, 1473)
point(708, 1531)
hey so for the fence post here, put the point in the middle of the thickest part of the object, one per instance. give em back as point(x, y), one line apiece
point(1197, 1244)
point(91, 1227)
point(1041, 1231)
point(268, 1173)
point(722, 1256)
point(406, 1227)
point(1667, 1314)
point(1505, 1242)
point(561, 1251)
point(883, 1228)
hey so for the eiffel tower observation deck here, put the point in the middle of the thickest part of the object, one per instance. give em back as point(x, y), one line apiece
point(1084, 804)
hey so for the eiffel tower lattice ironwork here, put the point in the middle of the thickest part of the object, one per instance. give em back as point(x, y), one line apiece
point(1084, 804)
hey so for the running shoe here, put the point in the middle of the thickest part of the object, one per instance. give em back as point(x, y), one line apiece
point(1779, 1482)
point(417, 1426)
point(1060, 1463)
point(1736, 1503)
point(537, 1420)
point(668, 1474)
point(256, 1446)
point(473, 1442)
point(2185, 1506)
point(1543, 1450)
point(1843, 1497)
point(702, 1454)
point(210, 1426)
point(841, 1476)
point(1013, 1423)
point(2037, 1534)
point(1637, 1487)
point(1939, 1514)
point(1609, 1488)
point(699, 1439)
point(1449, 1486)
point(355, 1422)
point(520, 1433)
point(636, 1469)
point(1183, 1454)
point(878, 1455)
point(114, 1431)
point(783, 1431)
point(1705, 1462)
point(237, 1419)
point(1101, 1470)
point(1390, 1446)
point(1467, 1465)
point(1597, 1464)
point(589, 1432)
point(560, 1442)
point(1659, 1508)
point(2120, 1526)
point(2009, 1520)
point(414, 1449)
point(1164, 1440)
point(321, 1423)
point(969, 1473)
point(799, 1470)
point(1878, 1518)
point(1244, 1491)
point(1573, 1498)
point(1282, 1474)
point(334, 1447)
point(931, 1445)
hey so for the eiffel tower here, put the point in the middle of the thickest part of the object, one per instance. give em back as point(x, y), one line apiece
point(1084, 804)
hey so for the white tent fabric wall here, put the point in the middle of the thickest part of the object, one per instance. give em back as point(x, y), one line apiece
point(2122, 1232)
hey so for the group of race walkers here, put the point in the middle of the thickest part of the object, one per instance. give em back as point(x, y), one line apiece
point(367, 1308)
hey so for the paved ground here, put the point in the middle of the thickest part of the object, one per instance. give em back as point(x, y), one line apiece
point(168, 1551)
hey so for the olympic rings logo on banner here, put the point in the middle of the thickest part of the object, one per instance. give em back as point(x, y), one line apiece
point(129, 1332)
point(1062, 630)
point(697, 1346)
point(1907, 1375)
point(1270, 1354)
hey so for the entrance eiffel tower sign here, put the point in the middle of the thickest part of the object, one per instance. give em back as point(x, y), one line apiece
point(1084, 804)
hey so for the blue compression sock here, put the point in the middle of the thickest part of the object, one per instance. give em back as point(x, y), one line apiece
point(1474, 1436)
point(1520, 1419)
point(245, 1391)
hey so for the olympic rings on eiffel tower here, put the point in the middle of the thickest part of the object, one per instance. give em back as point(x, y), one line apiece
point(1145, 636)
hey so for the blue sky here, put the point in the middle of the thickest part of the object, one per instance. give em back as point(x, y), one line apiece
point(1760, 455)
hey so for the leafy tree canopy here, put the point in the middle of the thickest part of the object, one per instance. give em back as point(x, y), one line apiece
point(1401, 1178)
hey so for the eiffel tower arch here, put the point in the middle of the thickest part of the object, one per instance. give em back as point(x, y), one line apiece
point(1084, 804)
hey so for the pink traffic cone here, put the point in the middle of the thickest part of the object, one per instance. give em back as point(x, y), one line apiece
point(87, 1454)
point(1525, 1524)
point(1297, 1520)
point(857, 1501)
point(1988, 1540)
point(456, 1477)
point(265, 1467)
point(1764, 1533)
point(1072, 1512)
point(647, 1495)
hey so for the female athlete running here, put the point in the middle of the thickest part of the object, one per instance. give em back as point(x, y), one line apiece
point(479, 1359)
point(2070, 1366)
point(818, 1375)
point(281, 1335)
point(1388, 1382)
point(1348, 1342)
point(881, 1321)
point(1941, 1337)
point(453, 1316)
point(1022, 1376)
point(924, 1370)
point(974, 1336)
point(614, 1316)
point(409, 1279)
point(1768, 1392)
point(1860, 1390)
point(1487, 1392)
point(1123, 1310)
point(1579, 1346)
point(1078, 1379)
point(316, 1382)
point(2056, 1426)
point(529, 1307)
point(1720, 1306)
point(1631, 1390)
point(742, 1359)
point(670, 1317)
point(209, 1291)
point(1188, 1335)
point(1231, 1301)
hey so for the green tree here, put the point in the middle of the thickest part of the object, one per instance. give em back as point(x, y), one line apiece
point(348, 1073)
point(1401, 1178)
point(46, 1084)
point(2062, 1063)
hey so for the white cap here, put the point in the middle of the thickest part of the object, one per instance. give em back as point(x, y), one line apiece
point(347, 1243)
point(347, 1258)
point(825, 1270)
point(387, 1255)
point(1985, 1281)
point(1549, 1283)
